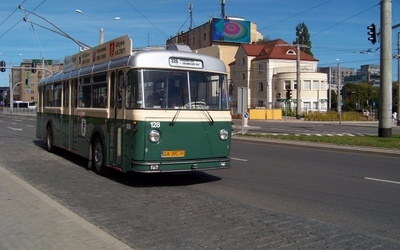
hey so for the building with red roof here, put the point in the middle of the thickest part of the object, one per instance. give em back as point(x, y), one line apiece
point(269, 71)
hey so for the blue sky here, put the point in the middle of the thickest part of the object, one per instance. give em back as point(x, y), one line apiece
point(338, 28)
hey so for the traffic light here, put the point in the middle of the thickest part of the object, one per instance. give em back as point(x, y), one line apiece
point(33, 67)
point(372, 33)
point(2, 66)
point(288, 94)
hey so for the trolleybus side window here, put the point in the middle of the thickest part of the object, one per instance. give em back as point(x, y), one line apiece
point(133, 91)
point(47, 95)
point(66, 94)
point(112, 90)
point(74, 92)
point(99, 97)
point(85, 92)
point(57, 94)
point(120, 86)
point(53, 95)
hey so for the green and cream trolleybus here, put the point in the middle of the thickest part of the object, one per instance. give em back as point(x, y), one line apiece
point(144, 111)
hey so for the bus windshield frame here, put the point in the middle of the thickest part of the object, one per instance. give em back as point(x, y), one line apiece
point(176, 89)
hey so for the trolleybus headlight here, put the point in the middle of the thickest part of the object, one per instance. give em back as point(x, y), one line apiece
point(223, 134)
point(154, 136)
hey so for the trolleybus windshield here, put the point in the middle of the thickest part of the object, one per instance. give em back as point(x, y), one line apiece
point(168, 89)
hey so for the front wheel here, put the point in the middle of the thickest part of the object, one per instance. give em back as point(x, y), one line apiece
point(98, 157)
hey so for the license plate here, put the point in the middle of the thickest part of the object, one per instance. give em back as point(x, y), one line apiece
point(172, 153)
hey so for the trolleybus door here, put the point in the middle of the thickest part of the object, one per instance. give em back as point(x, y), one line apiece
point(69, 106)
point(117, 116)
point(74, 118)
point(66, 119)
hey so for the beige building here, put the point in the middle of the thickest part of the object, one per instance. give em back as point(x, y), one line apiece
point(25, 80)
point(220, 38)
point(269, 70)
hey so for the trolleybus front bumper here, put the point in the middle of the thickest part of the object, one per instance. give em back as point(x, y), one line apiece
point(180, 166)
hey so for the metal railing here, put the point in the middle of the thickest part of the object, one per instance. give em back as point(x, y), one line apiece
point(19, 111)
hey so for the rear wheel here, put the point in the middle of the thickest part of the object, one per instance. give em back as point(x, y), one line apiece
point(49, 139)
point(98, 157)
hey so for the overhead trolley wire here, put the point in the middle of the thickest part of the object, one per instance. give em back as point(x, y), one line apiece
point(297, 14)
point(146, 18)
point(19, 20)
point(336, 24)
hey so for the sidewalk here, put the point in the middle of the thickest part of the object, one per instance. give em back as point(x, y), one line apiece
point(29, 219)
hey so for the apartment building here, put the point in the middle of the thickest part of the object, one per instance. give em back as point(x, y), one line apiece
point(25, 80)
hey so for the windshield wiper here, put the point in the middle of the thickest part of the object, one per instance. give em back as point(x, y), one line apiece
point(172, 123)
point(207, 114)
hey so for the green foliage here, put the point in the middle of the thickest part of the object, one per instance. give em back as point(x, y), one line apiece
point(289, 112)
point(265, 39)
point(303, 38)
point(359, 96)
point(333, 116)
point(360, 141)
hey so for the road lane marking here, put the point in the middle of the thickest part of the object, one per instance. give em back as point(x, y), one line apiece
point(381, 180)
point(18, 129)
point(238, 159)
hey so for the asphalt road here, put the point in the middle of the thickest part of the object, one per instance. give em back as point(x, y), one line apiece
point(336, 187)
point(274, 196)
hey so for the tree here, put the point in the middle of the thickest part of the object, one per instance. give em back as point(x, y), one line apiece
point(303, 38)
point(265, 39)
point(359, 96)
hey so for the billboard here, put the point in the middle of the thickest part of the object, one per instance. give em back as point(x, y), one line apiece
point(230, 30)
point(113, 49)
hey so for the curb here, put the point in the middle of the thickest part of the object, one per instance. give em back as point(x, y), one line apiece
point(323, 146)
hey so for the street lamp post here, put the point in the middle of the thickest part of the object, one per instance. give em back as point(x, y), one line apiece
point(101, 39)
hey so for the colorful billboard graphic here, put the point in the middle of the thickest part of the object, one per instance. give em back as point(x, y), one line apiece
point(229, 30)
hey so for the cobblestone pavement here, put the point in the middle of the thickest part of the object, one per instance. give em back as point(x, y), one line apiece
point(29, 219)
point(144, 212)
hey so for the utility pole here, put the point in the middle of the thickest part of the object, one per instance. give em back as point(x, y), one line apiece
point(385, 104)
point(339, 96)
point(298, 80)
point(398, 78)
point(191, 15)
point(298, 107)
point(330, 91)
point(223, 16)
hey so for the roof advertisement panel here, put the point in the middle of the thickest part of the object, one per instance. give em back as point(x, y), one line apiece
point(113, 49)
point(230, 30)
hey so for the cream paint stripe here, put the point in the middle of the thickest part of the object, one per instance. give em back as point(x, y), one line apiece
point(158, 115)
point(183, 115)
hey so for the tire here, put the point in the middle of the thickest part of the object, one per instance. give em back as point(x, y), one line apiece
point(49, 139)
point(98, 157)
